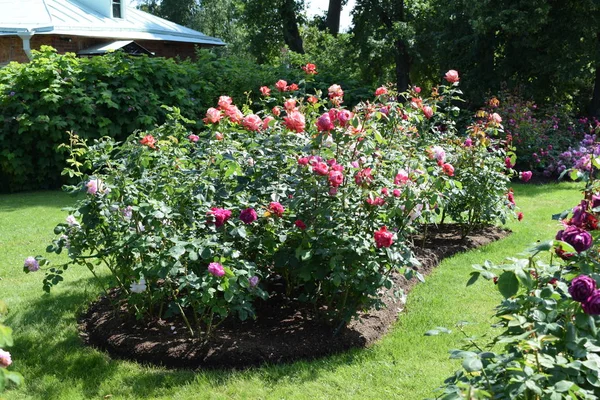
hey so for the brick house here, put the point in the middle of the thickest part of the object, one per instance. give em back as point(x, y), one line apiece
point(78, 25)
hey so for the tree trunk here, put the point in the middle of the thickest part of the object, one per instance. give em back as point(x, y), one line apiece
point(594, 109)
point(332, 22)
point(291, 33)
point(402, 66)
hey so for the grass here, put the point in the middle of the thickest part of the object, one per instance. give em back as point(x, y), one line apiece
point(405, 364)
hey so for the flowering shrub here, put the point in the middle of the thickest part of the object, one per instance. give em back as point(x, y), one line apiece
point(305, 198)
point(549, 319)
point(6, 340)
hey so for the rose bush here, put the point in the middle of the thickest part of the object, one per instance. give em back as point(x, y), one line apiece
point(549, 319)
point(302, 197)
point(6, 340)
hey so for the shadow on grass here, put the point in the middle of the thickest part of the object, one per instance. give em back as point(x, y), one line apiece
point(48, 346)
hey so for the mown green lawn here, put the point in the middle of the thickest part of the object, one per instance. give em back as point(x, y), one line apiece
point(404, 365)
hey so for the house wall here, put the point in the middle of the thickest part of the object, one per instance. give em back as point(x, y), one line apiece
point(11, 47)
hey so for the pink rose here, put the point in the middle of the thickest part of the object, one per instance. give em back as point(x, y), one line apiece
point(219, 136)
point(216, 269)
point(508, 163)
point(397, 192)
point(401, 178)
point(224, 102)
point(452, 76)
point(526, 176)
point(312, 99)
point(149, 141)
point(381, 91)
point(321, 168)
point(92, 186)
point(310, 69)
point(276, 208)
point(383, 238)
point(295, 121)
point(336, 178)
point(303, 160)
point(267, 121)
point(363, 177)
point(234, 114)
point(344, 117)
point(221, 215)
point(276, 111)
point(265, 91)
point(417, 89)
point(335, 91)
point(428, 111)
point(281, 85)
point(32, 264)
point(324, 123)
point(252, 122)
point(213, 116)
point(468, 142)
point(495, 118)
point(290, 104)
point(292, 88)
point(438, 153)
point(5, 359)
point(193, 138)
point(377, 201)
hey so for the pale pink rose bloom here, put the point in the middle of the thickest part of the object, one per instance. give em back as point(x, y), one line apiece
point(32, 264)
point(265, 91)
point(224, 102)
point(5, 359)
point(219, 136)
point(295, 121)
point(438, 153)
point(92, 186)
point(335, 91)
point(496, 118)
point(267, 121)
point(213, 116)
point(428, 111)
point(276, 111)
point(290, 104)
point(252, 122)
point(234, 114)
point(72, 221)
point(452, 76)
point(281, 85)
point(401, 177)
point(193, 138)
point(381, 91)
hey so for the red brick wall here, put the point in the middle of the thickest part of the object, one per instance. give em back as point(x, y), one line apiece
point(11, 47)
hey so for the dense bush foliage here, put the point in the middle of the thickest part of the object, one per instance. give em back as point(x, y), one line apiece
point(549, 318)
point(322, 200)
point(112, 95)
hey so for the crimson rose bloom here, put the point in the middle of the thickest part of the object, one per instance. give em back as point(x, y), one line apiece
point(300, 224)
point(248, 216)
point(578, 238)
point(336, 178)
point(582, 287)
point(383, 238)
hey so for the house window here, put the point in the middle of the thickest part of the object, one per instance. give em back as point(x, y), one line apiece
point(116, 4)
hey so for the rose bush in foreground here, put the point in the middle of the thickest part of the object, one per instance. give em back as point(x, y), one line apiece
point(316, 202)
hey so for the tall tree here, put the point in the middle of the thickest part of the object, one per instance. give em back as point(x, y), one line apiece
point(334, 12)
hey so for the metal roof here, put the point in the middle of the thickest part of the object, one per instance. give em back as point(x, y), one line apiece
point(70, 17)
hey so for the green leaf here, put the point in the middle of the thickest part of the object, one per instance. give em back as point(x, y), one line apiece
point(472, 364)
point(563, 386)
point(177, 251)
point(508, 284)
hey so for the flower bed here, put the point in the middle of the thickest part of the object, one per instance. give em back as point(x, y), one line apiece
point(304, 193)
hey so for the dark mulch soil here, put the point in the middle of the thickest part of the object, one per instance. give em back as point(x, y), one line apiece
point(283, 332)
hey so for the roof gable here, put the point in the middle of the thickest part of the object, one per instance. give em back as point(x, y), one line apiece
point(72, 17)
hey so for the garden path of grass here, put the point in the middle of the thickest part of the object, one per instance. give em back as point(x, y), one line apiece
point(404, 365)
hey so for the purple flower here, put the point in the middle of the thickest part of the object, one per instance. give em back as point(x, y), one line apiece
point(248, 216)
point(253, 281)
point(32, 264)
point(579, 214)
point(127, 212)
point(595, 200)
point(468, 142)
point(92, 186)
point(582, 287)
point(592, 305)
point(580, 239)
point(216, 269)
point(72, 221)
point(5, 359)
point(526, 176)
